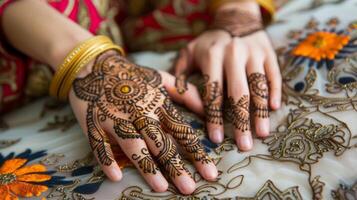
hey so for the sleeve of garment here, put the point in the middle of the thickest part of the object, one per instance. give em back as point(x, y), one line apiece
point(6, 48)
point(23, 78)
point(12, 70)
point(4, 4)
point(266, 6)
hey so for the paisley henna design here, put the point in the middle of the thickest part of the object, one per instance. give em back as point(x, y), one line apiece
point(168, 156)
point(213, 101)
point(97, 137)
point(259, 92)
point(181, 84)
point(171, 160)
point(150, 127)
point(183, 133)
point(127, 94)
point(240, 113)
point(238, 22)
point(145, 162)
point(125, 129)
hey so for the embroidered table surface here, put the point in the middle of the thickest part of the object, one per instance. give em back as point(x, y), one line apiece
point(311, 152)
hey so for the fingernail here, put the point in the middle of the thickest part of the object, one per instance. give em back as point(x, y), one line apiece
point(159, 184)
point(210, 172)
point(116, 174)
point(245, 142)
point(186, 185)
point(263, 130)
point(276, 103)
point(217, 136)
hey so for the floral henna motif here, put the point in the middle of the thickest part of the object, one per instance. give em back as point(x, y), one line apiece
point(127, 94)
point(238, 22)
point(213, 102)
point(240, 113)
point(170, 160)
point(151, 128)
point(146, 163)
point(259, 93)
point(97, 137)
point(168, 156)
point(125, 129)
point(174, 123)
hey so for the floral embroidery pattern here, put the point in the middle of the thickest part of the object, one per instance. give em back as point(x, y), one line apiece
point(312, 127)
point(18, 179)
point(304, 141)
point(345, 192)
point(310, 131)
point(270, 191)
point(210, 190)
point(321, 47)
point(8, 143)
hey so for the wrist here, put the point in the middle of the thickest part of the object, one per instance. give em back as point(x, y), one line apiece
point(76, 60)
point(250, 6)
point(59, 49)
point(89, 67)
point(239, 18)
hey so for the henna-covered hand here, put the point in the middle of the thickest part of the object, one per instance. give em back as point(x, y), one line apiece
point(239, 53)
point(131, 103)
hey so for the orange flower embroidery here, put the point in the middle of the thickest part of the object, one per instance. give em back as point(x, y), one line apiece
point(321, 45)
point(17, 180)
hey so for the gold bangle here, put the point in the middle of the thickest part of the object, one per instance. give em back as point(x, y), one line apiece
point(75, 60)
point(70, 58)
point(83, 62)
point(75, 64)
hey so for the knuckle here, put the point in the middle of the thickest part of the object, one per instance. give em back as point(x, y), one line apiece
point(236, 48)
point(213, 49)
point(236, 45)
point(257, 51)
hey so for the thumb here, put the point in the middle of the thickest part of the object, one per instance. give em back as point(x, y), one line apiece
point(182, 68)
point(190, 98)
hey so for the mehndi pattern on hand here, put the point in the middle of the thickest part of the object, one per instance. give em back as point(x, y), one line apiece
point(240, 113)
point(258, 86)
point(134, 99)
point(213, 101)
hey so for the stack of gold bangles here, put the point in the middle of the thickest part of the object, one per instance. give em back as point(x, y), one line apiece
point(75, 61)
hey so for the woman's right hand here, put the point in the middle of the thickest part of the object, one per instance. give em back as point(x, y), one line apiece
point(118, 99)
point(246, 64)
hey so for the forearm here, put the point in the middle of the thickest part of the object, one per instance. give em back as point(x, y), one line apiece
point(39, 31)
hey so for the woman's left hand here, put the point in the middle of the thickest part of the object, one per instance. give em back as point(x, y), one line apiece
point(250, 68)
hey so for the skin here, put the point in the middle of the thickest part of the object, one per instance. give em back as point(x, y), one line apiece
point(222, 57)
point(49, 39)
point(218, 55)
